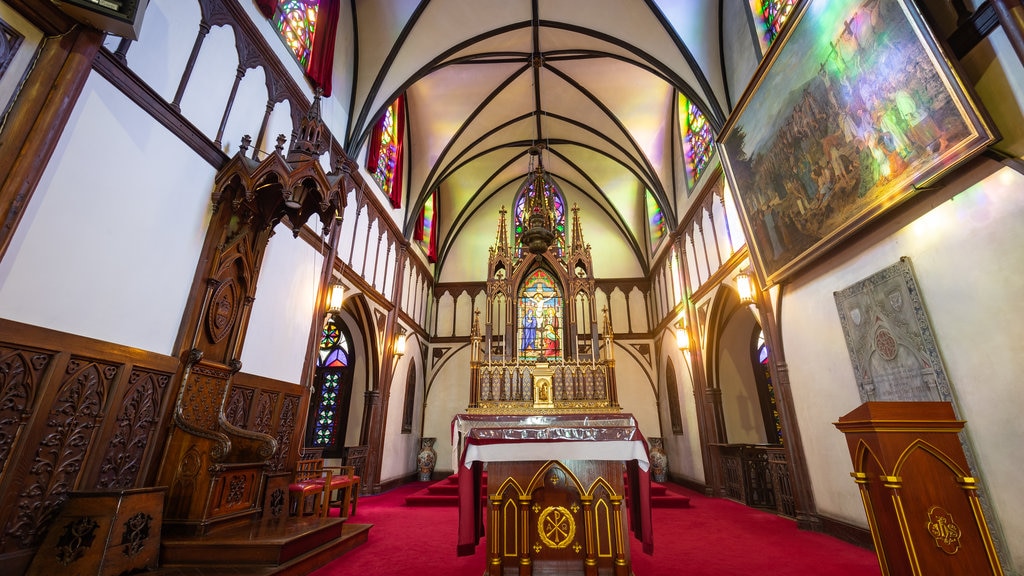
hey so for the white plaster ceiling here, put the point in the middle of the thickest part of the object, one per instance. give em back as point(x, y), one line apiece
point(594, 80)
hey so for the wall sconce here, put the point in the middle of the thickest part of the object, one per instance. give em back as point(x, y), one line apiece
point(682, 337)
point(745, 288)
point(335, 298)
point(400, 344)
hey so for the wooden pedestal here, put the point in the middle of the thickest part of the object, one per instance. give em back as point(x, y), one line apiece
point(920, 498)
point(556, 517)
point(103, 533)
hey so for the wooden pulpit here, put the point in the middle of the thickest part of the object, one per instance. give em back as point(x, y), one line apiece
point(918, 492)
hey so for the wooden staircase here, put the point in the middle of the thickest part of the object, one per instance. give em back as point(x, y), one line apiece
point(286, 546)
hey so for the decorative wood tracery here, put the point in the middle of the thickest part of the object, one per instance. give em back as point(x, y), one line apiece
point(140, 411)
point(71, 421)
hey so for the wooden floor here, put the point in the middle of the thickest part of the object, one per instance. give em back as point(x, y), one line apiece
point(293, 546)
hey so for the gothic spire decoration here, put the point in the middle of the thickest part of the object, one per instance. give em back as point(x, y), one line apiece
point(539, 232)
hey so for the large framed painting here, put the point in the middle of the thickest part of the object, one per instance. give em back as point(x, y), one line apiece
point(853, 110)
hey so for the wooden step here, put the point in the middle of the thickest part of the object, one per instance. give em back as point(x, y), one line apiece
point(275, 542)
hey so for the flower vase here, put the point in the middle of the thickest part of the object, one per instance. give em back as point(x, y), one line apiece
point(426, 459)
point(659, 461)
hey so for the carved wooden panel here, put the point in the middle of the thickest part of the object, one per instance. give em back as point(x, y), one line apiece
point(140, 410)
point(68, 431)
point(204, 391)
point(285, 431)
point(21, 372)
point(263, 420)
point(236, 409)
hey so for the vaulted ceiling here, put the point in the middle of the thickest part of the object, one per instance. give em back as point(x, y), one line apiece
point(595, 81)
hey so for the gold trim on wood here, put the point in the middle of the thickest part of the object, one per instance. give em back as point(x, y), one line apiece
point(556, 527)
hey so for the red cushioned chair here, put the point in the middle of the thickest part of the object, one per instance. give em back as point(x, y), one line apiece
point(309, 482)
point(341, 479)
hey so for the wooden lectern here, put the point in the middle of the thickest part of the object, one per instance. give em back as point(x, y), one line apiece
point(920, 498)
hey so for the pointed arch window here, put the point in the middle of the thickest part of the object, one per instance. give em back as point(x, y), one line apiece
point(557, 207)
point(766, 389)
point(770, 16)
point(426, 228)
point(698, 142)
point(384, 160)
point(333, 390)
point(408, 408)
point(672, 390)
point(308, 28)
point(655, 221)
point(540, 317)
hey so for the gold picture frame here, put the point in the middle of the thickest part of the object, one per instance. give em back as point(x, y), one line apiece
point(853, 110)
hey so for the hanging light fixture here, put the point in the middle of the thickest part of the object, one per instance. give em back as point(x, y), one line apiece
point(335, 298)
point(539, 233)
point(682, 336)
point(745, 288)
point(400, 344)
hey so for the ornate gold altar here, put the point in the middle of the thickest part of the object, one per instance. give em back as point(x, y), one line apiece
point(543, 411)
point(540, 348)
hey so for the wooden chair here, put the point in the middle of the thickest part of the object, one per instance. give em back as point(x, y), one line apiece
point(309, 481)
point(342, 479)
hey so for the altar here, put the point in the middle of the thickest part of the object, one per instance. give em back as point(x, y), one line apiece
point(556, 492)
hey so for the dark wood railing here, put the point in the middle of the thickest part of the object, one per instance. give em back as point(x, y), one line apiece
point(756, 475)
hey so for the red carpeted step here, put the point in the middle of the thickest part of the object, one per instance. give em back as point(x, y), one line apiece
point(441, 493)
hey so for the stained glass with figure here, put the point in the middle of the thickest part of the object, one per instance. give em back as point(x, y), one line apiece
point(540, 317)
point(698, 142)
point(296, 23)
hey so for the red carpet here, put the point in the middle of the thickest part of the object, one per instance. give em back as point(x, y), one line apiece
point(713, 537)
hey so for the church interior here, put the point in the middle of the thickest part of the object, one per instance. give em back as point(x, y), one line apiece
point(557, 251)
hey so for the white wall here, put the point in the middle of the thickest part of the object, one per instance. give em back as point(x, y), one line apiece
point(399, 458)
point(108, 245)
point(967, 254)
point(683, 450)
point(278, 333)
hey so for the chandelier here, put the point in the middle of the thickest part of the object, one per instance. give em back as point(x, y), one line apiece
point(539, 221)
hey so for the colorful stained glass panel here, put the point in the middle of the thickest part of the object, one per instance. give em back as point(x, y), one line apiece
point(655, 220)
point(387, 158)
point(296, 23)
point(698, 142)
point(771, 15)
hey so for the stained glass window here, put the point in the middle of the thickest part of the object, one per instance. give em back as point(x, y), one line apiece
point(698, 142)
point(332, 358)
point(296, 23)
point(540, 317)
point(655, 221)
point(771, 409)
point(426, 228)
point(771, 15)
point(557, 205)
point(385, 159)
